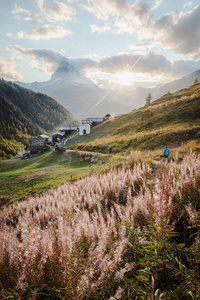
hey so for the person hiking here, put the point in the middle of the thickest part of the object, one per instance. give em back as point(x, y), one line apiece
point(111, 150)
point(166, 153)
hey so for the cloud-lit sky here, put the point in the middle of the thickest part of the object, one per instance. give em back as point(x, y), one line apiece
point(113, 42)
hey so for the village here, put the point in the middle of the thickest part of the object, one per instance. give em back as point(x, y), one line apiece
point(58, 139)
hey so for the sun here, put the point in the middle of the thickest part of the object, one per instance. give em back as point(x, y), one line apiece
point(121, 79)
point(124, 78)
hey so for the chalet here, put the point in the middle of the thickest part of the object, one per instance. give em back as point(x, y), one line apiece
point(84, 129)
point(66, 131)
point(93, 121)
point(46, 137)
point(57, 137)
point(37, 145)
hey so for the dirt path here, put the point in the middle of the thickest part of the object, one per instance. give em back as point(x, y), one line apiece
point(86, 152)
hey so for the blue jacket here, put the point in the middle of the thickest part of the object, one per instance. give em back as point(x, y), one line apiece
point(166, 151)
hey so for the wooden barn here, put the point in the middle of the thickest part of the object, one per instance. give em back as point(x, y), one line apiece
point(46, 137)
point(37, 145)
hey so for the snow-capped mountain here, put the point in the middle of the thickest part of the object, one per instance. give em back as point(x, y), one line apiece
point(77, 93)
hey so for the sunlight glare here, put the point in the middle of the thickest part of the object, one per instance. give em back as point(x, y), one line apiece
point(120, 79)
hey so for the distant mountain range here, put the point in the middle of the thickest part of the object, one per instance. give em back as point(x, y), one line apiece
point(83, 98)
point(179, 84)
point(78, 94)
point(23, 114)
point(137, 97)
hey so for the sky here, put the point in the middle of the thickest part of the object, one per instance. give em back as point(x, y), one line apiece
point(116, 43)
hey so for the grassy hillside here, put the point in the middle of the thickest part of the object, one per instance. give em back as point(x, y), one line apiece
point(24, 113)
point(172, 119)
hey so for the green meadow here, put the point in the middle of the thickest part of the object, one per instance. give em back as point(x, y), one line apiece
point(20, 179)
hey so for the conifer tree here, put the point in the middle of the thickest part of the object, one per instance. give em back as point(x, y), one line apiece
point(148, 99)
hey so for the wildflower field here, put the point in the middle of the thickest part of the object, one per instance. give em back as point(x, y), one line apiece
point(130, 233)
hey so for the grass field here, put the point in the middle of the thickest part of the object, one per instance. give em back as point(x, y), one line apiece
point(20, 179)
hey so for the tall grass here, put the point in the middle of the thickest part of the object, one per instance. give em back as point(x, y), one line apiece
point(128, 234)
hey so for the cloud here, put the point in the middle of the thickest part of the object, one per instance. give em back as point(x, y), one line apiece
point(177, 30)
point(104, 9)
point(147, 69)
point(141, 11)
point(44, 32)
point(181, 32)
point(9, 70)
point(28, 19)
point(49, 59)
point(121, 11)
point(157, 4)
point(184, 67)
point(99, 29)
point(187, 4)
point(20, 35)
point(148, 63)
point(142, 47)
point(18, 10)
point(59, 11)
point(125, 26)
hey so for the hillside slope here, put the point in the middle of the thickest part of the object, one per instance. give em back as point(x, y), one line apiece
point(24, 113)
point(172, 119)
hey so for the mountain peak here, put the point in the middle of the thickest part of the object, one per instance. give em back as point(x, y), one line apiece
point(64, 70)
point(65, 66)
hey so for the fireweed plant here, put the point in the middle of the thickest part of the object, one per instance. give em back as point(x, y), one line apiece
point(132, 233)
